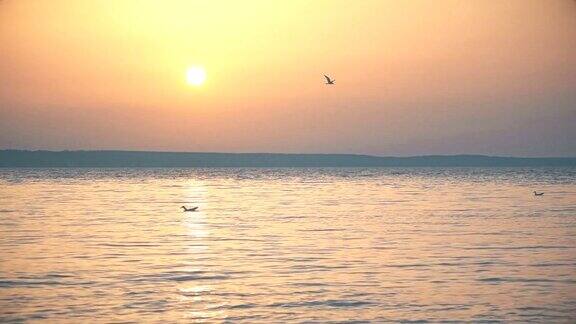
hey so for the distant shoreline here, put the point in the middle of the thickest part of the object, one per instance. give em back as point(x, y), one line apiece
point(110, 158)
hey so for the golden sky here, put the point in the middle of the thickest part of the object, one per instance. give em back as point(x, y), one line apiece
point(412, 77)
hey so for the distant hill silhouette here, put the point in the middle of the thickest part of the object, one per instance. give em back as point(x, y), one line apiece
point(21, 158)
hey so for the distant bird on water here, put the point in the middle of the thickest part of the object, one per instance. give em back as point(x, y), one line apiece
point(328, 80)
point(193, 209)
point(538, 193)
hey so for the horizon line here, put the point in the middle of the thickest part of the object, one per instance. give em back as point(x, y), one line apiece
point(285, 153)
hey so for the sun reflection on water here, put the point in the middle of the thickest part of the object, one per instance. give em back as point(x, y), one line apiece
point(193, 294)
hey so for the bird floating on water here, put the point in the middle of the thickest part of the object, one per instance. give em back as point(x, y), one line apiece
point(328, 80)
point(538, 193)
point(193, 209)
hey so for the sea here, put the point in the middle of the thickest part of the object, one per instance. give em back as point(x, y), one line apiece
point(288, 245)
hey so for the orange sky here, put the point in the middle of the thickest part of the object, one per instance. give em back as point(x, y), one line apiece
point(412, 77)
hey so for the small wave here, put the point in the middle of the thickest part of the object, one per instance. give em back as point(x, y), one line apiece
point(553, 264)
point(479, 263)
point(533, 247)
point(310, 284)
point(224, 239)
point(234, 306)
point(323, 230)
point(531, 308)
point(128, 244)
point(414, 265)
point(527, 280)
point(180, 276)
point(48, 280)
point(294, 217)
point(23, 282)
point(338, 303)
point(315, 267)
point(58, 275)
point(194, 278)
point(306, 259)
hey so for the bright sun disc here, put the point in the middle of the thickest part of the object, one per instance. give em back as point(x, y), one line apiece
point(196, 76)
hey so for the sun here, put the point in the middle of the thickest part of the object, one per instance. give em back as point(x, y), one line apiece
point(196, 76)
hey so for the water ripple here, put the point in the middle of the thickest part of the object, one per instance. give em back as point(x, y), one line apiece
point(313, 245)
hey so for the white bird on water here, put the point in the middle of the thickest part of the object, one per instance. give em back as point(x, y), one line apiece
point(328, 80)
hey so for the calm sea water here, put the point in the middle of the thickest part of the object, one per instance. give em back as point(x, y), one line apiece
point(288, 245)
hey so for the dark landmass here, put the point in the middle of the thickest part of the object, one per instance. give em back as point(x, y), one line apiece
point(21, 158)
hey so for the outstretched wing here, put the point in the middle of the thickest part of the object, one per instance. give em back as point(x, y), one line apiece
point(327, 78)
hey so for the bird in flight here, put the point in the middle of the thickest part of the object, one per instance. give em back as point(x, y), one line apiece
point(328, 80)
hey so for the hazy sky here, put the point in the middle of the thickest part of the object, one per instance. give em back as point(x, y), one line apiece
point(412, 77)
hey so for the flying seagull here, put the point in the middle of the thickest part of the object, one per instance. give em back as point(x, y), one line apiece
point(190, 209)
point(328, 80)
